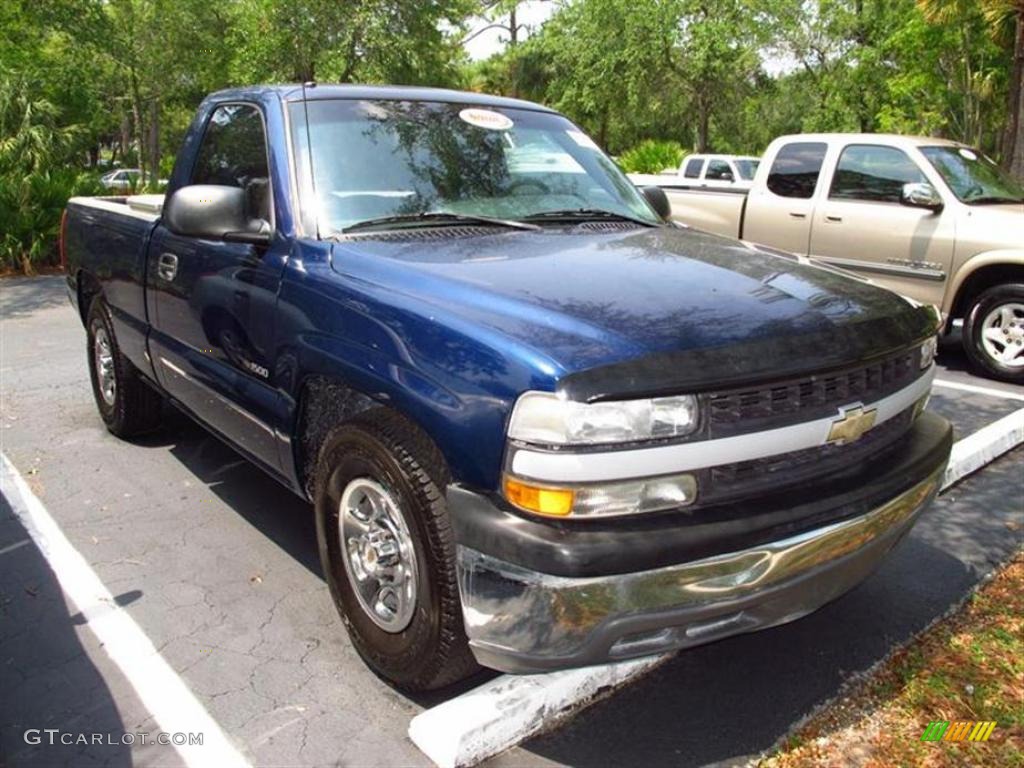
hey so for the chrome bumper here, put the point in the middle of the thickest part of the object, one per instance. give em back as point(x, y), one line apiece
point(519, 620)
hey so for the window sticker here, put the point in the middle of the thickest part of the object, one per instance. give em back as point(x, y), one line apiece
point(486, 118)
point(968, 154)
point(582, 139)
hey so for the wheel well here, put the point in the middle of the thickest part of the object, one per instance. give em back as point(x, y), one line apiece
point(981, 280)
point(324, 403)
point(88, 288)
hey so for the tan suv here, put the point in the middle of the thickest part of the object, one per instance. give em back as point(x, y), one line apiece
point(932, 219)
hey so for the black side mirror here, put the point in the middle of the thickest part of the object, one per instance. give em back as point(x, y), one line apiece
point(658, 200)
point(214, 212)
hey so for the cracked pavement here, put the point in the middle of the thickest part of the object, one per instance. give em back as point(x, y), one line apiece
point(218, 565)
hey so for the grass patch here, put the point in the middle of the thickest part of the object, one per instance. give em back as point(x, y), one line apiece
point(969, 666)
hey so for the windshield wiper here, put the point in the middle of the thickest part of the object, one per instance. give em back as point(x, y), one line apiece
point(990, 199)
point(587, 214)
point(432, 218)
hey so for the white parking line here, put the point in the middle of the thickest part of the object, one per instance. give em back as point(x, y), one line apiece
point(509, 709)
point(990, 391)
point(162, 692)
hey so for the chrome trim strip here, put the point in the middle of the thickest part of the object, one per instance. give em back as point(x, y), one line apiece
point(572, 616)
point(922, 273)
point(566, 467)
point(223, 400)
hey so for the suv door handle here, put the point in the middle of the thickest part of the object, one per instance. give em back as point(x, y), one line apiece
point(797, 215)
point(834, 218)
point(167, 266)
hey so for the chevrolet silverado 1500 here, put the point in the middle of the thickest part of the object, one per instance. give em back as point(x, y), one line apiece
point(929, 218)
point(540, 426)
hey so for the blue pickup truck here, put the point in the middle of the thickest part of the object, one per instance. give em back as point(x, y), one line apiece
point(541, 426)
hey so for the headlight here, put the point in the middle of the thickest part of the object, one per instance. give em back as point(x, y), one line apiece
point(547, 419)
point(591, 500)
point(928, 351)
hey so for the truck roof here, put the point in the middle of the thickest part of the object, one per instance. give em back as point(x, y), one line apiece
point(894, 139)
point(294, 92)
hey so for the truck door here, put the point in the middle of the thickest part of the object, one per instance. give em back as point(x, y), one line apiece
point(861, 224)
point(779, 214)
point(214, 302)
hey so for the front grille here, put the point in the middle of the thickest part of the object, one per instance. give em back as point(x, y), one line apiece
point(786, 402)
point(731, 481)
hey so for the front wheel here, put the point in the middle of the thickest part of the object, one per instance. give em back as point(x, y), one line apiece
point(993, 333)
point(388, 553)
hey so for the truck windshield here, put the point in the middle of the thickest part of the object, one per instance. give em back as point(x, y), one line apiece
point(747, 168)
point(974, 178)
point(376, 159)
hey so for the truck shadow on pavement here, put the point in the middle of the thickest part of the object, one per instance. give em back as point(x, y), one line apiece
point(47, 677)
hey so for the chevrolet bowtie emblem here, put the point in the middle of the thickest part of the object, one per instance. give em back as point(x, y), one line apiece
point(852, 423)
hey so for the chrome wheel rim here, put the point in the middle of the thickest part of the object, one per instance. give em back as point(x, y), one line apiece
point(1002, 334)
point(104, 357)
point(378, 553)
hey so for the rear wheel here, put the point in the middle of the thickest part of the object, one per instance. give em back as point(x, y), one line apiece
point(127, 405)
point(993, 333)
point(388, 553)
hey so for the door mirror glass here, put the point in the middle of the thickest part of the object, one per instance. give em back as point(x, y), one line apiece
point(921, 195)
point(214, 212)
point(658, 200)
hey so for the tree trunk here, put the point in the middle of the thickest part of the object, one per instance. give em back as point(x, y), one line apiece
point(1013, 145)
point(703, 123)
point(154, 142)
point(137, 126)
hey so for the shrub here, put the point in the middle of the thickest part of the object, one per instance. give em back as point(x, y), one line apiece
point(30, 210)
point(652, 156)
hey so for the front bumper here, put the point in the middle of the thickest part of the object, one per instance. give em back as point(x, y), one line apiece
point(521, 620)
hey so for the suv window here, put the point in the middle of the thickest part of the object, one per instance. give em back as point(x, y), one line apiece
point(795, 170)
point(718, 170)
point(234, 154)
point(693, 166)
point(875, 174)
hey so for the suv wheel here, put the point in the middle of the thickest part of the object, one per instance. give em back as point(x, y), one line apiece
point(994, 332)
point(127, 404)
point(388, 553)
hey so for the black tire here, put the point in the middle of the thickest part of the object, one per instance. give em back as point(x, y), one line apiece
point(432, 650)
point(134, 407)
point(983, 305)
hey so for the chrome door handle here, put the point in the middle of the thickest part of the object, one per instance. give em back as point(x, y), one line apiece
point(167, 266)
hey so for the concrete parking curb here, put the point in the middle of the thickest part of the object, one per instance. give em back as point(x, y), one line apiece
point(509, 709)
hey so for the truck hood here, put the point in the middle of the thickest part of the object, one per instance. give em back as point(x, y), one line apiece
point(641, 310)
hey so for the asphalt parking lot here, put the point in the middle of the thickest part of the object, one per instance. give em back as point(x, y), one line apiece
point(217, 565)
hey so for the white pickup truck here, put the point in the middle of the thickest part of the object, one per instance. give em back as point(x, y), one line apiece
point(699, 171)
point(932, 219)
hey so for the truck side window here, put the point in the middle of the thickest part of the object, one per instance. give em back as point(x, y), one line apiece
point(234, 154)
point(795, 170)
point(718, 170)
point(875, 174)
point(693, 166)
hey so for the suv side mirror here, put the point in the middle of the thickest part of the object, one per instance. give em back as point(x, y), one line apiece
point(214, 212)
point(658, 201)
point(921, 195)
point(727, 176)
